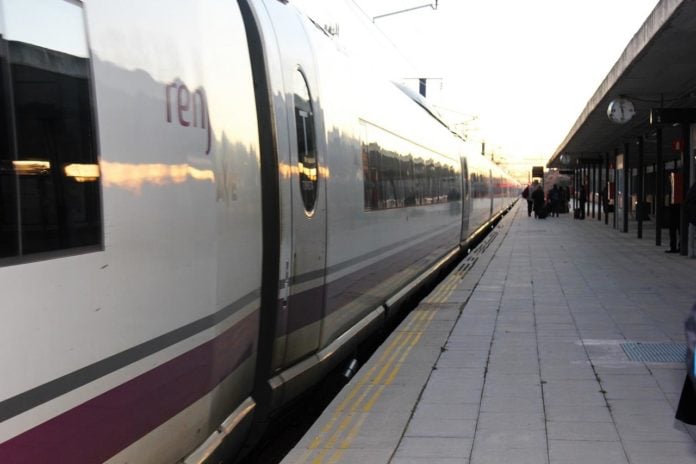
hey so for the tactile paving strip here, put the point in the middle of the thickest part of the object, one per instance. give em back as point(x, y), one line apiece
point(655, 352)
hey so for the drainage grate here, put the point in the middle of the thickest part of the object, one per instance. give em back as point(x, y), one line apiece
point(655, 352)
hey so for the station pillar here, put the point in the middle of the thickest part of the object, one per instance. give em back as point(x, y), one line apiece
point(626, 193)
point(686, 183)
point(606, 185)
point(593, 183)
point(640, 206)
point(659, 188)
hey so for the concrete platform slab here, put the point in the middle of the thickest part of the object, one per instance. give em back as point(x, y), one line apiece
point(524, 362)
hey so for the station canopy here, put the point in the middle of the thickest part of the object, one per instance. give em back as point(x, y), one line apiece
point(657, 69)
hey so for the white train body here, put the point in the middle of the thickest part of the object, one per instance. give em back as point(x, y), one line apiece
point(179, 257)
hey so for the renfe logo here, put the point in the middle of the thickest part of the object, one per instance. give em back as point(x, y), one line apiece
point(190, 108)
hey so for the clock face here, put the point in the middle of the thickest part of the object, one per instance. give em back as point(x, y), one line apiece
point(620, 111)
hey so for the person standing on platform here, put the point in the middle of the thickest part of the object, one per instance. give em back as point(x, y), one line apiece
point(527, 195)
point(604, 199)
point(583, 200)
point(555, 199)
point(686, 410)
point(538, 200)
point(674, 212)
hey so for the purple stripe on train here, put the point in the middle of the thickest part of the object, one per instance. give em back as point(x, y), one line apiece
point(361, 283)
point(103, 426)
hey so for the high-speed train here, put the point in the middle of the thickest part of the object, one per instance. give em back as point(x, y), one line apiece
point(205, 205)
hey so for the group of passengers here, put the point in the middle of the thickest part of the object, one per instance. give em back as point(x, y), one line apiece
point(558, 198)
point(554, 202)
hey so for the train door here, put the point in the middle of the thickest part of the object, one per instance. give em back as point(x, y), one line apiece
point(466, 200)
point(305, 306)
point(490, 190)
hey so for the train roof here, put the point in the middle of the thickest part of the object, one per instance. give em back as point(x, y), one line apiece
point(422, 102)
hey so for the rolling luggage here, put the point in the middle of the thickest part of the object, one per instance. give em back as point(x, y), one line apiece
point(577, 213)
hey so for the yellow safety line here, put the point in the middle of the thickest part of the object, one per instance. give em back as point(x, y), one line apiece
point(349, 418)
point(316, 442)
point(444, 290)
point(345, 423)
point(345, 444)
point(409, 338)
point(338, 454)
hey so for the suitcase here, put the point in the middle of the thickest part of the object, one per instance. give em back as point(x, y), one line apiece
point(577, 213)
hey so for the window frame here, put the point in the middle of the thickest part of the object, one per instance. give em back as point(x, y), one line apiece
point(96, 239)
point(416, 174)
point(308, 138)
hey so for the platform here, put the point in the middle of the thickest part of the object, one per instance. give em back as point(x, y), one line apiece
point(556, 341)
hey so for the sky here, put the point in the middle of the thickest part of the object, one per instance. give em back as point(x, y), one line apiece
point(515, 74)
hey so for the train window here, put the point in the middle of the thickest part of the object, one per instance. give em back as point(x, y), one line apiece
point(419, 180)
point(49, 174)
point(430, 190)
point(306, 145)
point(407, 180)
point(390, 180)
point(371, 175)
point(398, 173)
